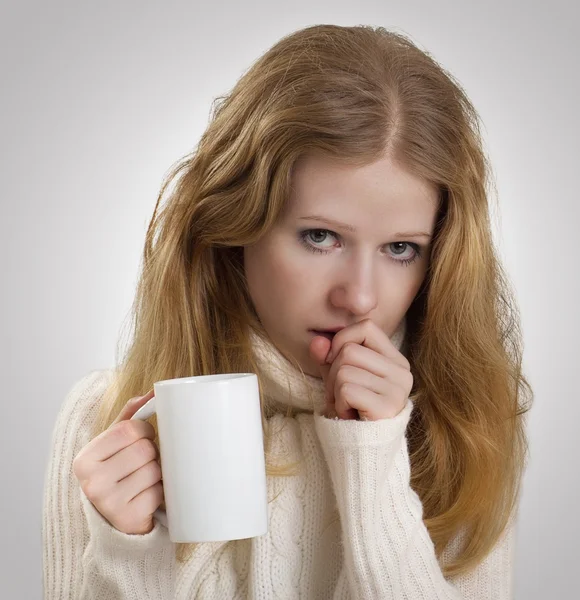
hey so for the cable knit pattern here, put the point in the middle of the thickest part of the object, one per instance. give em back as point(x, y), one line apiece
point(346, 526)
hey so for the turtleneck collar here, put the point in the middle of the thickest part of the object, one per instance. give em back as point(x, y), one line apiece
point(284, 385)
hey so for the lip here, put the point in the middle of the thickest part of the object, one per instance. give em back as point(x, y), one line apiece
point(328, 333)
point(330, 330)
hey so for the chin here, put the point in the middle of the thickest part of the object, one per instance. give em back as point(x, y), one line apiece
point(298, 353)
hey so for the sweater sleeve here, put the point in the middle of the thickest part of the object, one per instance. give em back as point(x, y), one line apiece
point(84, 557)
point(388, 552)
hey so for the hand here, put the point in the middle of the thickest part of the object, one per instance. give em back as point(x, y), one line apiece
point(119, 473)
point(366, 377)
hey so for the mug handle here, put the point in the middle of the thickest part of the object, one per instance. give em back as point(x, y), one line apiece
point(147, 410)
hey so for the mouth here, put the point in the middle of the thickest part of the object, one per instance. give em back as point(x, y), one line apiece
point(327, 334)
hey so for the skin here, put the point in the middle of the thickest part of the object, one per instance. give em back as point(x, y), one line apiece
point(359, 282)
point(119, 471)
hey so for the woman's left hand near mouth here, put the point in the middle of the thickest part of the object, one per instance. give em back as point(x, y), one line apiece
point(366, 377)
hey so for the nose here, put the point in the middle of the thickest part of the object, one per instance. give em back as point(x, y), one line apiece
point(356, 287)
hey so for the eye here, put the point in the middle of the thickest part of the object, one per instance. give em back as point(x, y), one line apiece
point(412, 258)
point(310, 238)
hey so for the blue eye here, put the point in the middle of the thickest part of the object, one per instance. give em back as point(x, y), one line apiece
point(416, 254)
point(311, 234)
point(309, 238)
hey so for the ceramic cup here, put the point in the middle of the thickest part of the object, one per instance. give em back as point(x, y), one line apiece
point(212, 457)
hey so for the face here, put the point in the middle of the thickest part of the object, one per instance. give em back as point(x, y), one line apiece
point(347, 248)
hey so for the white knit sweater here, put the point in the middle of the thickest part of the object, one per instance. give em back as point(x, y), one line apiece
point(347, 526)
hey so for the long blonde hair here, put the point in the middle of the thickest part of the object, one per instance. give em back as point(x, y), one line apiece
point(353, 94)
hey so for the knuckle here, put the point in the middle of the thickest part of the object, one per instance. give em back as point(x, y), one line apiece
point(349, 350)
point(155, 492)
point(154, 470)
point(108, 505)
point(160, 490)
point(92, 489)
point(145, 448)
point(405, 375)
point(78, 466)
point(343, 373)
point(148, 429)
point(339, 380)
point(127, 431)
point(342, 388)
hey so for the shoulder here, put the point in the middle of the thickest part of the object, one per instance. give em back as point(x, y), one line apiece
point(81, 404)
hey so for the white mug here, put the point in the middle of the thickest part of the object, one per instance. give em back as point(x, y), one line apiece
point(212, 457)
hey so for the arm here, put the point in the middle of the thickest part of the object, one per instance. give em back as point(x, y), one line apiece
point(85, 557)
point(387, 548)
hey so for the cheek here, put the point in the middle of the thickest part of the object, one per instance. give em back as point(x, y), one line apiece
point(276, 274)
point(406, 293)
point(288, 279)
point(396, 289)
point(416, 284)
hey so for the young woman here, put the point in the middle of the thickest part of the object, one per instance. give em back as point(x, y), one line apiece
point(330, 233)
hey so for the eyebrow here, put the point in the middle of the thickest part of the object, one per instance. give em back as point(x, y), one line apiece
point(351, 229)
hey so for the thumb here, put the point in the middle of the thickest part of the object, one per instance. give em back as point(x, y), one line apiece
point(319, 349)
point(132, 406)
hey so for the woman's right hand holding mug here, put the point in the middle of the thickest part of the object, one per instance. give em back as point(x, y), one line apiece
point(119, 473)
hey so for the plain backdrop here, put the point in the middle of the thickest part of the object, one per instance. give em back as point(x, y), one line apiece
point(98, 101)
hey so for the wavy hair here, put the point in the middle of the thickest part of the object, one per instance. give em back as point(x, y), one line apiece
point(353, 94)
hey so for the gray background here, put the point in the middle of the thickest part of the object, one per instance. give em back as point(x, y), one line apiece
point(97, 101)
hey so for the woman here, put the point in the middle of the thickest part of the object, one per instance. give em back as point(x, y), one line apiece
point(330, 233)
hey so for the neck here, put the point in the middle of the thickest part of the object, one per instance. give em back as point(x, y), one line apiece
point(283, 385)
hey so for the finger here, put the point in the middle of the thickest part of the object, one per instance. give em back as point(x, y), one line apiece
point(357, 356)
point(141, 479)
point(351, 398)
point(364, 358)
point(318, 349)
point(130, 459)
point(114, 439)
point(367, 334)
point(369, 405)
point(341, 406)
point(132, 406)
point(148, 500)
point(362, 377)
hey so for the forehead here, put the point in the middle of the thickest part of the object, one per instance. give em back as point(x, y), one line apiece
point(382, 190)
